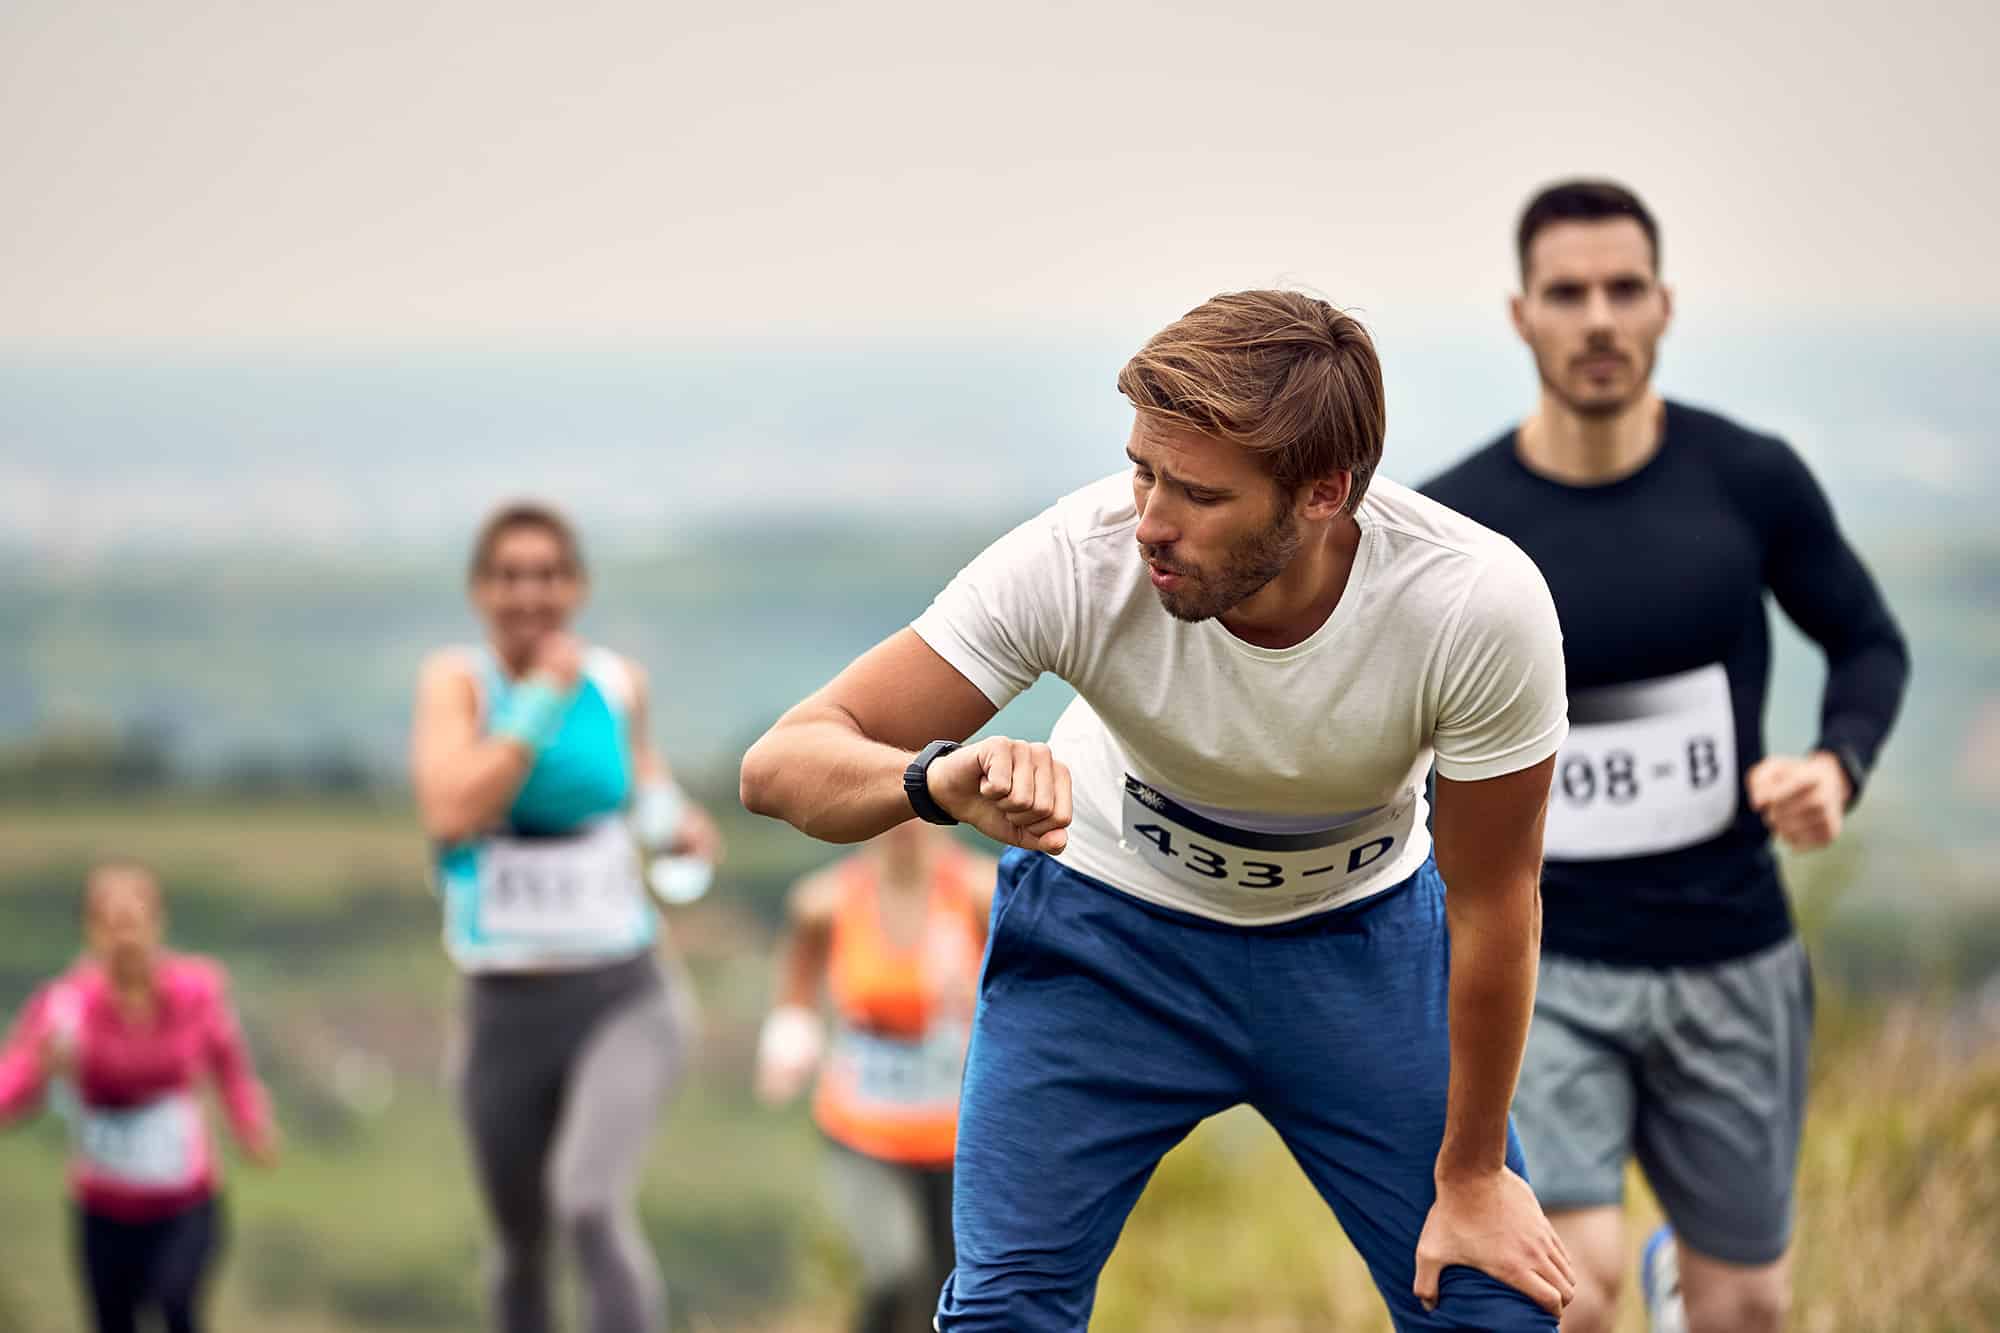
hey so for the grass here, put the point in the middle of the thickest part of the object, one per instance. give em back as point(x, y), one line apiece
point(1898, 1229)
point(371, 1222)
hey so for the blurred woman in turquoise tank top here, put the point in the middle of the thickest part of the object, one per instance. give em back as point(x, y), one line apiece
point(543, 794)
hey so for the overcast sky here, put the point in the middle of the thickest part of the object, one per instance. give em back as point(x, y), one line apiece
point(387, 169)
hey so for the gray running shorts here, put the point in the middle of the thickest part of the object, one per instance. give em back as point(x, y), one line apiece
point(1698, 1072)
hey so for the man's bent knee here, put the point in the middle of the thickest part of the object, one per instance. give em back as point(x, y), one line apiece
point(1015, 1300)
point(1732, 1298)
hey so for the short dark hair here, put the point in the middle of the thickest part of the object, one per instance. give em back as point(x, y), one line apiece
point(1285, 375)
point(1583, 201)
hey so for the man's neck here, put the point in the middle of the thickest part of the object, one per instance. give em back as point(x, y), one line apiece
point(1590, 450)
point(1291, 607)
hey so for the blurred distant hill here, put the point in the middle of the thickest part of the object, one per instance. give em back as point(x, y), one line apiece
point(370, 452)
point(229, 568)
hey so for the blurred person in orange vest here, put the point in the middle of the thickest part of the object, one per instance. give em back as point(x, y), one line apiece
point(894, 935)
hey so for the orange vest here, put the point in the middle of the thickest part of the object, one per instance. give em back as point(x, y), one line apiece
point(889, 1088)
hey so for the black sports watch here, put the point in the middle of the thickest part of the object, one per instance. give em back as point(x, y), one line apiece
point(917, 783)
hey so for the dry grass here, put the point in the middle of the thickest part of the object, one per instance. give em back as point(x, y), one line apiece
point(282, 849)
point(1899, 1227)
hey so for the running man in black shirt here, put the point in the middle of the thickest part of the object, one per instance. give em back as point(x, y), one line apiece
point(1675, 1004)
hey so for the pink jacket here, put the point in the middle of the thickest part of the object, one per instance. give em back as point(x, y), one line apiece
point(140, 1143)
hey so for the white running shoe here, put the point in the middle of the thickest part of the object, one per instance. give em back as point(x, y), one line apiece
point(1660, 1279)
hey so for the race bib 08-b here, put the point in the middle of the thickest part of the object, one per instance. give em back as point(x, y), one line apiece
point(1648, 767)
point(1295, 863)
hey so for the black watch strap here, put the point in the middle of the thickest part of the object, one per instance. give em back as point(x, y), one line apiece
point(917, 783)
point(1850, 763)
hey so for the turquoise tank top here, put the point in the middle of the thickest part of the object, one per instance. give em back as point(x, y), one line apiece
point(559, 884)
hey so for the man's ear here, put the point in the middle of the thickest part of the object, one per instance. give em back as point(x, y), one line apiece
point(1327, 497)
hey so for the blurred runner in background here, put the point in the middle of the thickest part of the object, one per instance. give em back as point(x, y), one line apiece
point(894, 935)
point(533, 773)
point(119, 1046)
point(1675, 1003)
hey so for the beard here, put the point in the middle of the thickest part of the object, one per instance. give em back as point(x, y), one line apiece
point(1588, 403)
point(1245, 568)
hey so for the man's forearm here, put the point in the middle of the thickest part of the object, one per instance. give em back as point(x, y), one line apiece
point(1495, 945)
point(818, 773)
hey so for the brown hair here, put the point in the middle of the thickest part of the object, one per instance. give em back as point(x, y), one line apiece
point(1285, 375)
point(519, 514)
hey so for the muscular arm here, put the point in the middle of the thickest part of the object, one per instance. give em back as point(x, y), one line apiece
point(1489, 851)
point(833, 766)
point(463, 781)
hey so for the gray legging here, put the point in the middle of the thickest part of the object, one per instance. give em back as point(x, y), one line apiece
point(898, 1219)
point(564, 1076)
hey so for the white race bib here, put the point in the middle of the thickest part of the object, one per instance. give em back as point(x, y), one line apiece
point(1648, 767)
point(152, 1146)
point(578, 888)
point(1293, 866)
point(891, 1071)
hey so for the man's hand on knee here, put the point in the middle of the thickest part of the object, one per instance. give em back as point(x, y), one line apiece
point(1492, 1223)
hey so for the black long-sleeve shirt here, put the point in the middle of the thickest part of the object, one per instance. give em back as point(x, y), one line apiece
point(1654, 856)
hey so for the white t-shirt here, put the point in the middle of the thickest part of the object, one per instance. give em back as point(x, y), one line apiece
point(1254, 785)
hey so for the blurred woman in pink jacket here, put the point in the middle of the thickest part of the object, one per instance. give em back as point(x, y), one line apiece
point(118, 1046)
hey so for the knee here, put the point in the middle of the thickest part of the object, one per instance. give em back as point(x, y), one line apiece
point(1013, 1301)
point(584, 1223)
point(1469, 1300)
point(1594, 1306)
point(1756, 1303)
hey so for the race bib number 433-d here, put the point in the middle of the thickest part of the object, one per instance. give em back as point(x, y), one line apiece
point(1648, 767)
point(1209, 855)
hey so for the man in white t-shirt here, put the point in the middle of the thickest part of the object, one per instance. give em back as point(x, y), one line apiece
point(1222, 888)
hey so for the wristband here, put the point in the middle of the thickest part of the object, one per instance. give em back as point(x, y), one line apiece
point(532, 713)
point(678, 880)
point(790, 1039)
point(657, 814)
